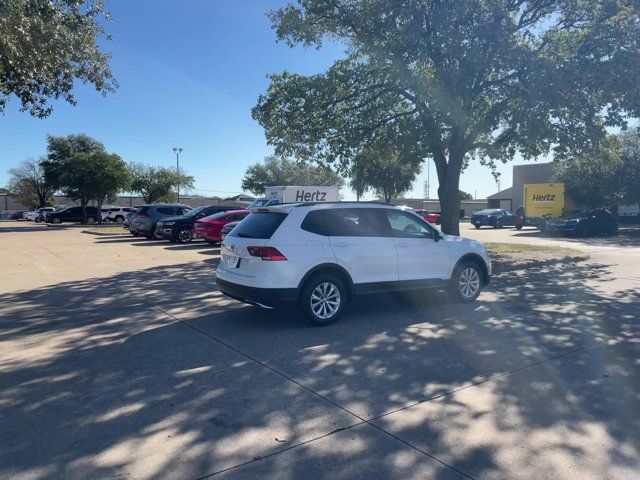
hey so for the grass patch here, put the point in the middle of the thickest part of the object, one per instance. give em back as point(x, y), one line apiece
point(501, 248)
point(109, 230)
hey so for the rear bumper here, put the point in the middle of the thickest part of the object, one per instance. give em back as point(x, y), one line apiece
point(263, 297)
point(483, 221)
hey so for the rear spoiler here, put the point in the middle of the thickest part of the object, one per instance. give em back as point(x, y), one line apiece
point(286, 209)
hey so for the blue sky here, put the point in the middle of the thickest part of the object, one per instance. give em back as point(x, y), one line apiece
point(189, 74)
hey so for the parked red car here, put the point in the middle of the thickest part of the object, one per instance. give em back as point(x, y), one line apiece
point(209, 228)
point(431, 217)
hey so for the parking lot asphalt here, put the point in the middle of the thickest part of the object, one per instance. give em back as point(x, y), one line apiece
point(118, 359)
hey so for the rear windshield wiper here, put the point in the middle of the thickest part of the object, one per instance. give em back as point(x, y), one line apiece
point(245, 235)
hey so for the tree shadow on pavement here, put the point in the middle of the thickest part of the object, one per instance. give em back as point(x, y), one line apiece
point(98, 379)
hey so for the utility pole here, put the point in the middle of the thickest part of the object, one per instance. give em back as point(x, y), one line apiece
point(426, 192)
point(178, 151)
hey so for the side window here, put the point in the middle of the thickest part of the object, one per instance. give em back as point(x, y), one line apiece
point(318, 222)
point(406, 225)
point(347, 222)
point(166, 211)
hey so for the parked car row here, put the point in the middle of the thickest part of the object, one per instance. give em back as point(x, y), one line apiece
point(181, 223)
point(574, 222)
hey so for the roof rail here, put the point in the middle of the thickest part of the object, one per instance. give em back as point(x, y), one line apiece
point(310, 204)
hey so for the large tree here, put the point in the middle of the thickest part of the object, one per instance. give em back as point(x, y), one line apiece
point(282, 171)
point(630, 165)
point(45, 46)
point(29, 186)
point(79, 179)
point(83, 170)
point(606, 176)
point(156, 184)
point(61, 149)
point(111, 176)
point(383, 170)
point(464, 80)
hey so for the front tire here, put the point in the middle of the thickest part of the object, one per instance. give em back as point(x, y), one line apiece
point(323, 298)
point(466, 282)
point(56, 220)
point(185, 235)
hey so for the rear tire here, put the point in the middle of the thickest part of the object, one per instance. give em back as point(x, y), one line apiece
point(119, 219)
point(477, 227)
point(466, 282)
point(322, 299)
point(56, 220)
point(518, 227)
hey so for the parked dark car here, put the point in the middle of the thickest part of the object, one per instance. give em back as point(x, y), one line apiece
point(210, 227)
point(227, 229)
point(180, 229)
point(586, 222)
point(11, 214)
point(492, 217)
point(73, 214)
point(143, 222)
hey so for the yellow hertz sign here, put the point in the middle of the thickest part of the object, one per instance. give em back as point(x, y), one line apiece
point(544, 199)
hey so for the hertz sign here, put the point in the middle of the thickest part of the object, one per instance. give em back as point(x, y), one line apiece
point(544, 199)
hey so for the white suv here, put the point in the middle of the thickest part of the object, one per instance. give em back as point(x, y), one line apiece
point(38, 215)
point(319, 255)
point(117, 214)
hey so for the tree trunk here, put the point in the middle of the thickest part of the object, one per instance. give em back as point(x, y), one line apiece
point(449, 195)
point(100, 202)
point(83, 206)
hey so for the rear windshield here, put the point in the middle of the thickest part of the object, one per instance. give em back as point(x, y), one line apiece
point(258, 225)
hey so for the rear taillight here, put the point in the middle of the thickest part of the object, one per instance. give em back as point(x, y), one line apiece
point(142, 215)
point(269, 254)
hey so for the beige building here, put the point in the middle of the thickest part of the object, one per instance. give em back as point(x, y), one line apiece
point(513, 197)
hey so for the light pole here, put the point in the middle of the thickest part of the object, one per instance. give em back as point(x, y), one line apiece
point(178, 151)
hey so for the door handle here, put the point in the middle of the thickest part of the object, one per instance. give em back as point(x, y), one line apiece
point(340, 244)
point(402, 245)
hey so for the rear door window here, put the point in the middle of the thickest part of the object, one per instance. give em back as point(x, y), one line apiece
point(347, 222)
point(166, 211)
point(260, 225)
